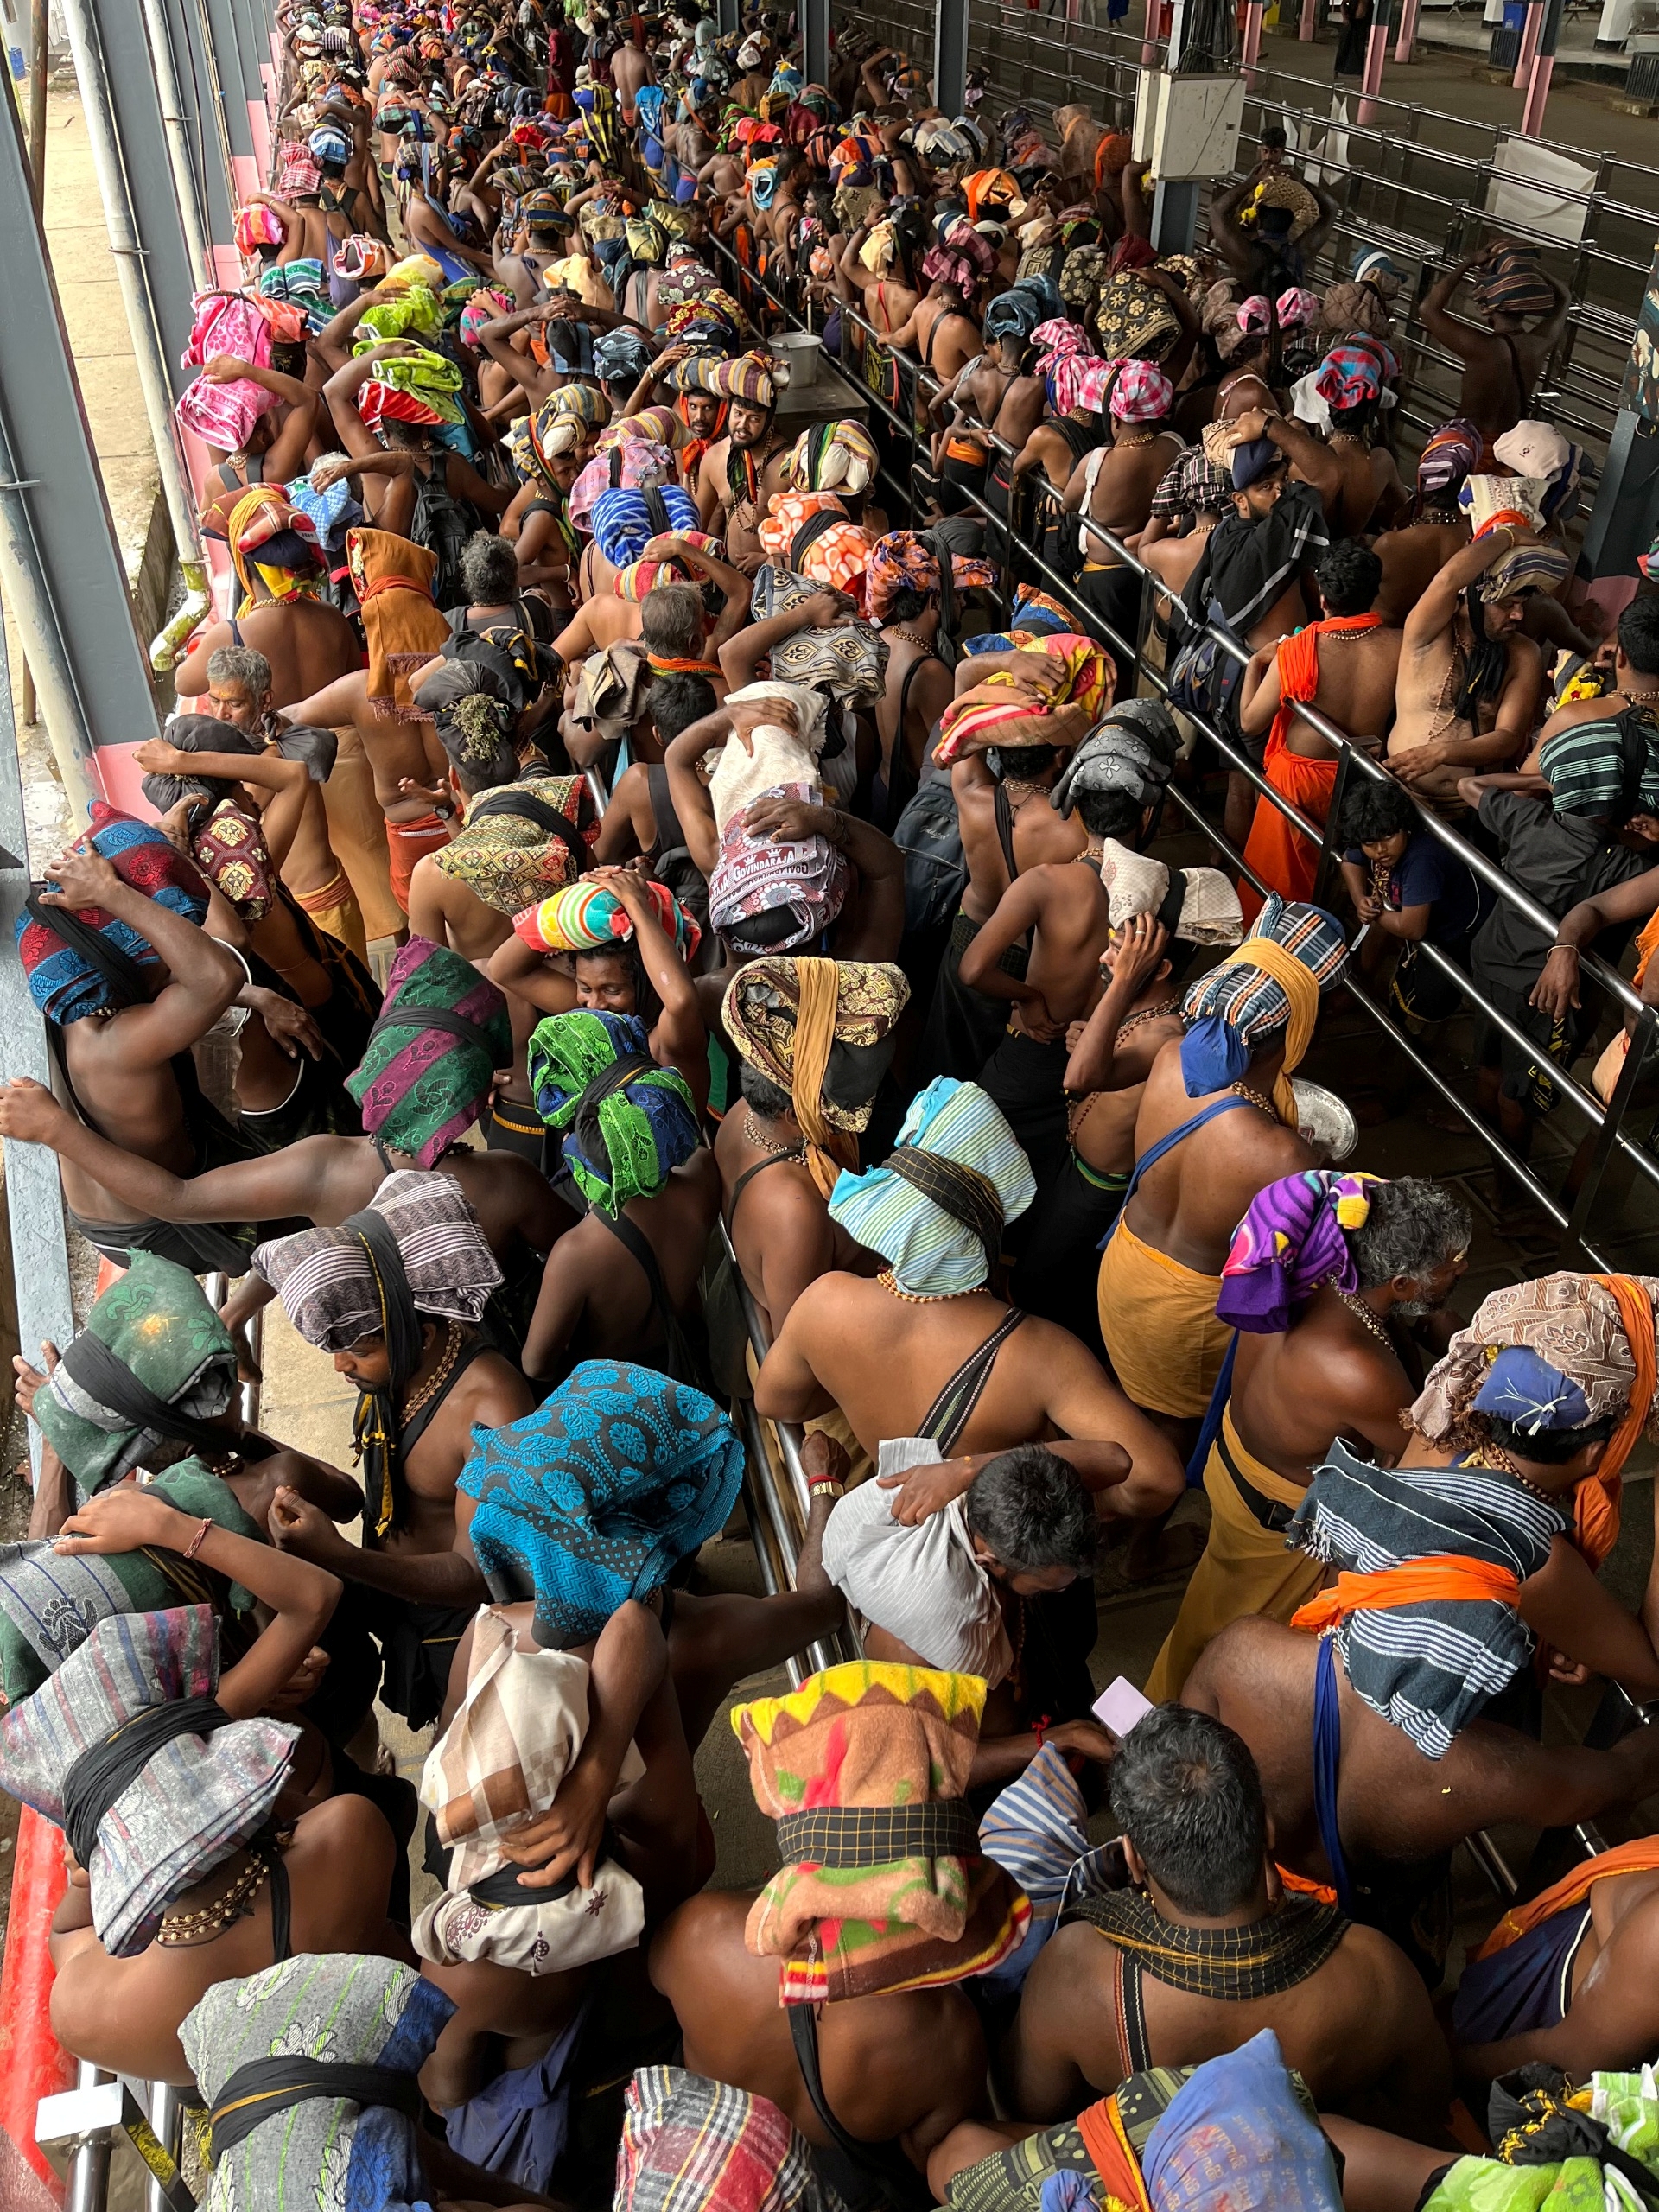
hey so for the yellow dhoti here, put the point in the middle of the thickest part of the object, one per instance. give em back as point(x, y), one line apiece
point(1245, 1568)
point(333, 906)
point(1158, 1319)
point(357, 830)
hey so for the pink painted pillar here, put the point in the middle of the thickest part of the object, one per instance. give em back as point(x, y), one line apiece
point(1149, 43)
point(1532, 115)
point(1528, 54)
point(1255, 10)
point(1377, 52)
point(1305, 30)
point(1408, 30)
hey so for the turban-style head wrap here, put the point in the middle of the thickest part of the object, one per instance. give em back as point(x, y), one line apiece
point(1376, 268)
point(330, 1285)
point(1293, 1238)
point(883, 1884)
point(1271, 983)
point(484, 306)
point(522, 840)
point(1014, 313)
point(832, 457)
point(598, 1496)
point(631, 465)
point(1192, 484)
point(442, 1034)
point(1140, 391)
point(625, 522)
point(1198, 904)
point(328, 145)
point(620, 356)
point(906, 560)
point(628, 1123)
point(153, 1337)
point(82, 961)
point(1448, 458)
point(753, 379)
point(415, 388)
point(1530, 564)
point(588, 917)
point(145, 1829)
point(961, 257)
point(937, 1207)
point(1132, 749)
point(1513, 283)
point(821, 1030)
point(557, 426)
point(1349, 376)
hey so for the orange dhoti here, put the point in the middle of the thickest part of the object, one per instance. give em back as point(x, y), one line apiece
point(1286, 861)
point(408, 841)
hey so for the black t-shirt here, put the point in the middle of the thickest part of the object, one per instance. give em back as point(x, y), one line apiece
point(1428, 874)
point(1557, 860)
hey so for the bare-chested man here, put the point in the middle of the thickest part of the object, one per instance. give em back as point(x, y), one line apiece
point(1501, 365)
point(996, 392)
point(1217, 1124)
point(426, 1376)
point(1349, 2011)
point(1329, 1365)
point(965, 1371)
point(1114, 486)
point(304, 642)
point(1345, 665)
point(742, 471)
point(1414, 556)
point(1384, 1743)
point(1469, 681)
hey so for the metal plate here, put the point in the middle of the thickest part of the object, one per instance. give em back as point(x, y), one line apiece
point(1324, 1120)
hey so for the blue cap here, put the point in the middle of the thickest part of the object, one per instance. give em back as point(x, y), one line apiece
point(1530, 1394)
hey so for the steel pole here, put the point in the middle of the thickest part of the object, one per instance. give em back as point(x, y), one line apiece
point(175, 122)
point(24, 587)
point(104, 135)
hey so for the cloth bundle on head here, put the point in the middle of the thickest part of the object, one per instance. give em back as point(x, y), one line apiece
point(1198, 904)
point(1606, 769)
point(883, 1887)
point(442, 1034)
point(418, 388)
point(81, 961)
point(625, 522)
point(1348, 377)
point(1237, 2136)
point(620, 356)
point(1473, 1536)
point(1014, 313)
point(268, 533)
point(1281, 207)
point(836, 553)
point(627, 1122)
point(484, 305)
point(1538, 451)
point(772, 893)
point(598, 1496)
point(151, 1337)
point(353, 2144)
point(658, 426)
point(1598, 1331)
point(223, 414)
point(1531, 564)
point(1513, 283)
point(962, 257)
point(906, 561)
point(497, 1768)
point(752, 378)
point(1347, 308)
point(361, 260)
point(832, 457)
point(332, 1282)
point(1192, 484)
point(254, 226)
point(690, 2144)
point(786, 725)
point(50, 1601)
point(583, 917)
point(992, 193)
point(635, 465)
point(521, 840)
point(1140, 392)
point(393, 578)
point(1132, 749)
point(145, 1829)
point(937, 1207)
point(823, 1031)
point(1450, 453)
point(1009, 716)
point(1272, 982)
point(1293, 1238)
point(1373, 267)
point(558, 425)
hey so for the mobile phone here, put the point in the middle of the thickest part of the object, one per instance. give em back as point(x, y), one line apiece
point(1120, 1707)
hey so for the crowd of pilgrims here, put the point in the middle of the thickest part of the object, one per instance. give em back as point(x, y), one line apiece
point(779, 995)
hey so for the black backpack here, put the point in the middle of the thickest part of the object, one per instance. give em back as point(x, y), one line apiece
point(442, 523)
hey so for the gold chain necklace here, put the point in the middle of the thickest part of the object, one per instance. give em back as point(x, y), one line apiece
point(1363, 1313)
point(1147, 1013)
point(910, 637)
point(1254, 1098)
point(889, 1282)
point(429, 1389)
point(751, 1132)
point(1494, 1455)
point(1129, 445)
point(207, 1921)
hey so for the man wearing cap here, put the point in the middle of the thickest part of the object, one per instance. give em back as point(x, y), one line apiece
point(1486, 1538)
point(1218, 1121)
point(834, 1991)
point(1326, 1279)
point(1469, 681)
point(927, 1350)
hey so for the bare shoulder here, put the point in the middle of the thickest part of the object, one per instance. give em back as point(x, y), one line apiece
point(491, 1391)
